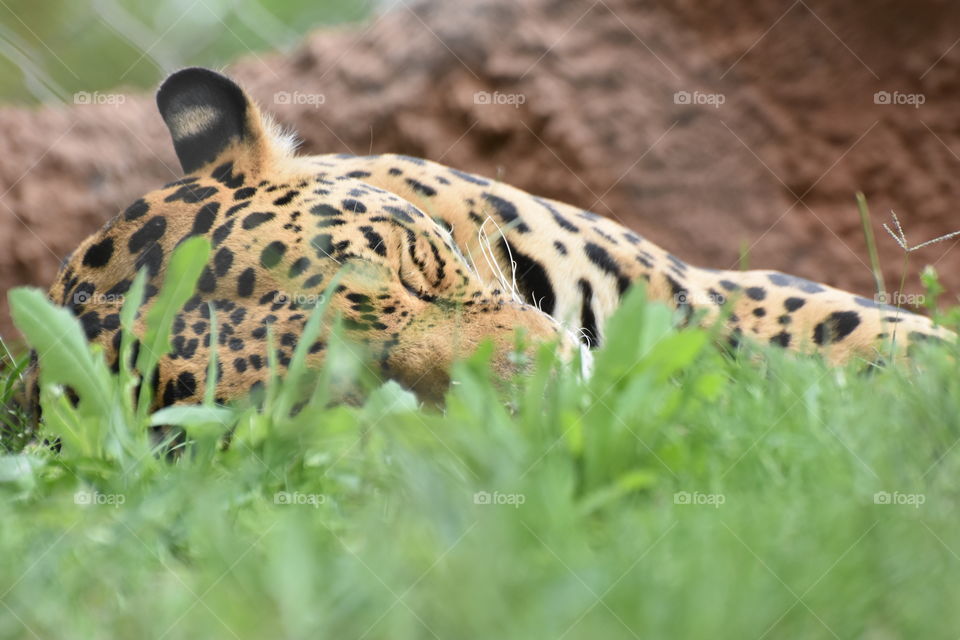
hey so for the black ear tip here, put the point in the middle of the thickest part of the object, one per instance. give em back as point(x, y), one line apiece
point(203, 110)
point(196, 86)
point(193, 79)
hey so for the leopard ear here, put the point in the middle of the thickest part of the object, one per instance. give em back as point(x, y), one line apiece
point(206, 113)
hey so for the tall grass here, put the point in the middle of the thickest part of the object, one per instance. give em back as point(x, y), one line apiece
point(677, 493)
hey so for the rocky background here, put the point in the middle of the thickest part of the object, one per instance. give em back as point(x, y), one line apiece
point(713, 128)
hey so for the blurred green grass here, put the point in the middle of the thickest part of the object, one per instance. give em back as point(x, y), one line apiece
point(52, 49)
point(677, 493)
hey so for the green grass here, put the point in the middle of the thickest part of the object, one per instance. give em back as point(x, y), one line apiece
point(53, 49)
point(677, 493)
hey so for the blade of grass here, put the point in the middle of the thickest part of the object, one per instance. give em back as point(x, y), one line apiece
point(867, 225)
point(128, 316)
point(186, 265)
point(310, 333)
point(210, 386)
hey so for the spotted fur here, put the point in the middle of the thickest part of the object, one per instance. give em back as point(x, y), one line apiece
point(434, 260)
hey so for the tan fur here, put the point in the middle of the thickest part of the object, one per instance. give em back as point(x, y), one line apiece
point(190, 122)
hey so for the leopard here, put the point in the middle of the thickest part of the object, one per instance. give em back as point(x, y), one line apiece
point(430, 262)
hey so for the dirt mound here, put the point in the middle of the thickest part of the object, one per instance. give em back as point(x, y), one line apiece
point(710, 127)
